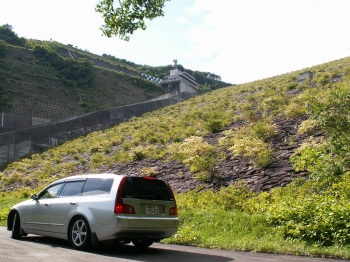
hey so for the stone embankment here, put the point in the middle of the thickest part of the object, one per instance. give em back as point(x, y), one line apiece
point(234, 168)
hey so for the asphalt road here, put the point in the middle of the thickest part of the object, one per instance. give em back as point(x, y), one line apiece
point(37, 249)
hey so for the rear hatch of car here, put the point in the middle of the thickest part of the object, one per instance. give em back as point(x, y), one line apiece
point(148, 203)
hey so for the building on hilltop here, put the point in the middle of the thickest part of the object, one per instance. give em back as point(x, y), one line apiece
point(179, 82)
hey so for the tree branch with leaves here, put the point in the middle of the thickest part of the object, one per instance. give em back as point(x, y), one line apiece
point(123, 17)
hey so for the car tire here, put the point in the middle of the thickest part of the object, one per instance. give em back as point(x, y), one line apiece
point(142, 242)
point(80, 234)
point(16, 226)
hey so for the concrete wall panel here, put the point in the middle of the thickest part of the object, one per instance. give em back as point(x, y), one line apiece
point(16, 144)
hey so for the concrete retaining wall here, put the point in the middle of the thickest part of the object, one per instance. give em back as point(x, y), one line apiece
point(19, 143)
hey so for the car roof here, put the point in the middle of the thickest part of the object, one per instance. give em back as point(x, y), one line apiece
point(84, 176)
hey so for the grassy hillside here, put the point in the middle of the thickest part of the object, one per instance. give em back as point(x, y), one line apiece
point(309, 216)
point(39, 82)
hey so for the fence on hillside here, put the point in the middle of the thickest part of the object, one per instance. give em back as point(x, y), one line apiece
point(19, 143)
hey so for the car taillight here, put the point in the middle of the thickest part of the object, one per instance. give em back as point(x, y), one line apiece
point(148, 178)
point(173, 211)
point(120, 207)
point(124, 209)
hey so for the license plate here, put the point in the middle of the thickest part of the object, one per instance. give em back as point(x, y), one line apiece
point(152, 210)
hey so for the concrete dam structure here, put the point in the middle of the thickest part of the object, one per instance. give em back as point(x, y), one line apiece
point(22, 142)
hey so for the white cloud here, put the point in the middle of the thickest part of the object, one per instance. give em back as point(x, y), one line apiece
point(183, 20)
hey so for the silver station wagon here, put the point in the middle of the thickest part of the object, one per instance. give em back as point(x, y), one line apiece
point(88, 209)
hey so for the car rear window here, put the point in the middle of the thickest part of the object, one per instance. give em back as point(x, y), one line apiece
point(97, 186)
point(143, 188)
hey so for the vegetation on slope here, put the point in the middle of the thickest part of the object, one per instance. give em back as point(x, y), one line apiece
point(309, 216)
point(10, 37)
point(37, 80)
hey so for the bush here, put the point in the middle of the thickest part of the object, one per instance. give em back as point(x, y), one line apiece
point(249, 141)
point(197, 154)
point(148, 171)
point(10, 37)
point(328, 158)
point(214, 126)
point(296, 107)
point(307, 126)
point(317, 218)
point(263, 131)
point(75, 73)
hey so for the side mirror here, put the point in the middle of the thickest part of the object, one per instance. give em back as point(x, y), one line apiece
point(34, 197)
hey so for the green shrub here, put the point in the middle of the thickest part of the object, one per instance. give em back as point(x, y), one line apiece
point(329, 157)
point(249, 141)
point(214, 126)
point(234, 197)
point(10, 37)
point(146, 151)
point(74, 73)
point(13, 178)
point(317, 218)
point(307, 126)
point(263, 131)
point(296, 107)
point(148, 171)
point(197, 154)
point(308, 155)
point(138, 153)
point(331, 109)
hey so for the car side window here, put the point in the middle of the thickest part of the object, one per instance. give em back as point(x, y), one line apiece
point(72, 189)
point(97, 186)
point(50, 192)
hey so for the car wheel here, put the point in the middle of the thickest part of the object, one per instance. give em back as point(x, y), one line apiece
point(16, 227)
point(80, 233)
point(142, 243)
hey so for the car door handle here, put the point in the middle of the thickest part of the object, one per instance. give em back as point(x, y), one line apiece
point(73, 203)
point(46, 204)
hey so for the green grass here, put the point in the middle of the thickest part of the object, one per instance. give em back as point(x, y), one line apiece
point(7, 201)
point(237, 219)
point(236, 230)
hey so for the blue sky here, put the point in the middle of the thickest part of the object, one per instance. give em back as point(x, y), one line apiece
point(240, 40)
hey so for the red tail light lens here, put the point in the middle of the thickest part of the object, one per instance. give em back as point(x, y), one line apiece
point(173, 211)
point(148, 177)
point(124, 209)
point(119, 208)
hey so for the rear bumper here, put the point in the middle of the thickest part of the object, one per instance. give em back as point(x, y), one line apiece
point(152, 234)
point(137, 227)
point(137, 222)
